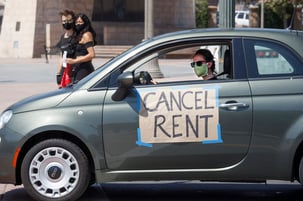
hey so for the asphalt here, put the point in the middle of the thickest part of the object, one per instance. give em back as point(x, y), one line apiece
point(23, 77)
point(20, 78)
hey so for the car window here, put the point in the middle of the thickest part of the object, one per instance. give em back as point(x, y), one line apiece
point(241, 15)
point(172, 64)
point(271, 59)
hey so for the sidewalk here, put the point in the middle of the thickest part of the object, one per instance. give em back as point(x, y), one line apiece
point(19, 79)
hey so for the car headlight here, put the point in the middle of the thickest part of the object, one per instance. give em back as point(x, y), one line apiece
point(5, 117)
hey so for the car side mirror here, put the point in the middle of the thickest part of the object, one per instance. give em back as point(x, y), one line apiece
point(125, 82)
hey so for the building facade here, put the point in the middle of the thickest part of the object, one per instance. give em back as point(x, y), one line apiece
point(29, 26)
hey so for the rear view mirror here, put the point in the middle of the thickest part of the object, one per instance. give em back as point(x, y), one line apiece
point(125, 82)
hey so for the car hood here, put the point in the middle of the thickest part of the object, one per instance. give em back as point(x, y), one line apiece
point(41, 101)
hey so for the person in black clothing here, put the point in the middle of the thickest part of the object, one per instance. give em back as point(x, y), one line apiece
point(66, 42)
point(84, 52)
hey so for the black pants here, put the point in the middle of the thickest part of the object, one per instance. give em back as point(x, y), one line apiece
point(79, 71)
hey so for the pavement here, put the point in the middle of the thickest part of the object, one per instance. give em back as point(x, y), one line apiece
point(20, 78)
point(24, 77)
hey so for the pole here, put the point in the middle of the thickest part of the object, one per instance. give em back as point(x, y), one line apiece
point(152, 65)
point(149, 19)
point(47, 41)
point(226, 14)
point(262, 14)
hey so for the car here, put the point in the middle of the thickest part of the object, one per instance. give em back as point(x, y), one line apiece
point(242, 18)
point(144, 115)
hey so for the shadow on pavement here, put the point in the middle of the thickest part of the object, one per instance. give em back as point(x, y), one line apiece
point(180, 191)
point(202, 191)
point(93, 193)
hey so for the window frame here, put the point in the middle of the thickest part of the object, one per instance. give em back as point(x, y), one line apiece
point(288, 53)
point(234, 44)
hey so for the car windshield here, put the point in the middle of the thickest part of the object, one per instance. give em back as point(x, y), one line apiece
point(106, 65)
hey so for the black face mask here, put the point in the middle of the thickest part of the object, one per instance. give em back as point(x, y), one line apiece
point(79, 27)
point(67, 26)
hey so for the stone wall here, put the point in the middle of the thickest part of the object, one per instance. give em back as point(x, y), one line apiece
point(33, 16)
point(48, 13)
point(123, 33)
point(168, 15)
point(173, 15)
point(18, 27)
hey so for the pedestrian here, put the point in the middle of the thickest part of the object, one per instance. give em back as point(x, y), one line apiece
point(84, 52)
point(67, 46)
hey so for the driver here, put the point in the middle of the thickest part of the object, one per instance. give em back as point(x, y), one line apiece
point(204, 64)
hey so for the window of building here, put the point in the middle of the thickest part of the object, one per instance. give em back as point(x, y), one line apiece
point(18, 26)
point(118, 10)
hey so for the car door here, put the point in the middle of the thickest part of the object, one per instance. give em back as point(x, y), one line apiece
point(275, 73)
point(222, 109)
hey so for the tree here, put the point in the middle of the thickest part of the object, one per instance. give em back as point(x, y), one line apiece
point(278, 13)
point(201, 13)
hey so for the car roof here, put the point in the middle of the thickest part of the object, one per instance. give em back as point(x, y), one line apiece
point(293, 38)
point(234, 32)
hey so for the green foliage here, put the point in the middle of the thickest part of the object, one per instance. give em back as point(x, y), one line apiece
point(201, 13)
point(277, 14)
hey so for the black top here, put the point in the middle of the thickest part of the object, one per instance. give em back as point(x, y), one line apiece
point(81, 48)
point(65, 44)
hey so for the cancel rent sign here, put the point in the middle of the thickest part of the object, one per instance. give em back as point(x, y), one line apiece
point(171, 115)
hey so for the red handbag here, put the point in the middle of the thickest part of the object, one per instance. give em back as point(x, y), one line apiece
point(66, 79)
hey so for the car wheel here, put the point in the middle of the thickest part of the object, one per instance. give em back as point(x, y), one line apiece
point(55, 169)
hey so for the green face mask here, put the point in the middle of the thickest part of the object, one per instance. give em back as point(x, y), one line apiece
point(201, 70)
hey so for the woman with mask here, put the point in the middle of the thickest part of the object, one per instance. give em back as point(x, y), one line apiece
point(82, 63)
point(204, 64)
point(66, 43)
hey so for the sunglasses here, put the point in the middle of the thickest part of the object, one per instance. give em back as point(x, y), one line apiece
point(199, 63)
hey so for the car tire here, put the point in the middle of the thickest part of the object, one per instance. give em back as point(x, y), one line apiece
point(55, 169)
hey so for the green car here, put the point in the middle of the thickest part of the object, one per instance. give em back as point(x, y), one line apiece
point(146, 115)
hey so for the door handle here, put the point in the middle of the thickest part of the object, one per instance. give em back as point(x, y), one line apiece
point(234, 106)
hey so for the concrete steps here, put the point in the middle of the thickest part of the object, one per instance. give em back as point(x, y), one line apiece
point(109, 51)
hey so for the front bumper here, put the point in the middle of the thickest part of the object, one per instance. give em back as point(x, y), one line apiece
point(8, 147)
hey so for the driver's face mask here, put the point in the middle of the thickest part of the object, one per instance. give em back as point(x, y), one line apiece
point(201, 70)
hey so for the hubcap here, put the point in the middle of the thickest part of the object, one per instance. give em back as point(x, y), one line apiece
point(54, 172)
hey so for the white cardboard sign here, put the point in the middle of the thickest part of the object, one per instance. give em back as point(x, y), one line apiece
point(174, 115)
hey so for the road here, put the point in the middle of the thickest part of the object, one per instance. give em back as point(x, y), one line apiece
point(180, 191)
point(20, 78)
